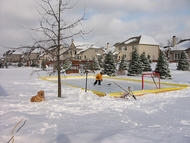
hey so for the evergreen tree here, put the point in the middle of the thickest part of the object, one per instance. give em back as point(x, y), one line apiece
point(109, 65)
point(135, 66)
point(149, 59)
point(96, 65)
point(66, 65)
point(123, 64)
point(100, 61)
point(162, 66)
point(145, 62)
point(183, 63)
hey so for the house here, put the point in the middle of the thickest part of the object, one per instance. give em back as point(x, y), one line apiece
point(174, 50)
point(82, 54)
point(26, 55)
point(14, 55)
point(78, 53)
point(31, 56)
point(50, 55)
point(7, 56)
point(83, 51)
point(89, 51)
point(141, 43)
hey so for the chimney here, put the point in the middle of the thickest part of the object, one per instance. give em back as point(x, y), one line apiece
point(174, 41)
point(107, 46)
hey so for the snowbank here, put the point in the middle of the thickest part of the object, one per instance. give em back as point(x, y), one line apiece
point(80, 117)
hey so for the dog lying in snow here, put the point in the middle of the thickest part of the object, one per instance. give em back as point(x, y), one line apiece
point(39, 97)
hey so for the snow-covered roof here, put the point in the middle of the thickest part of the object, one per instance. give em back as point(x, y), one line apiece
point(36, 50)
point(21, 50)
point(182, 46)
point(18, 52)
point(84, 46)
point(144, 39)
point(131, 40)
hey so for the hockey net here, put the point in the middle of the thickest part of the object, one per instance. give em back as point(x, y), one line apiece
point(153, 77)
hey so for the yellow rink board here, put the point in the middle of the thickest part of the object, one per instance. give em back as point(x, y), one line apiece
point(136, 93)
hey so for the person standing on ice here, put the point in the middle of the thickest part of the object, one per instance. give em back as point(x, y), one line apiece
point(98, 78)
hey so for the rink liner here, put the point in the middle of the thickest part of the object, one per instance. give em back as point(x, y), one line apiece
point(136, 93)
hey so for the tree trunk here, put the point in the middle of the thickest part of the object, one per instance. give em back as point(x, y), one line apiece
point(59, 78)
point(58, 51)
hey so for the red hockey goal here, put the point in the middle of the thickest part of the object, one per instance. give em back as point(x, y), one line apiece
point(153, 76)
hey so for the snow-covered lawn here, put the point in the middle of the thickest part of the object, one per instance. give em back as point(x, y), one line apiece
point(80, 117)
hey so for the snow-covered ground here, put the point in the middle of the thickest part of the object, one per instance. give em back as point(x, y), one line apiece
point(80, 117)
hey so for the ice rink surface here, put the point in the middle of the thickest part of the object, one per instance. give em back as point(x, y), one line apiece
point(110, 85)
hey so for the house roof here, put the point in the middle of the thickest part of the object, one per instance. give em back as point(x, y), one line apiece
point(142, 39)
point(36, 51)
point(18, 52)
point(181, 46)
point(83, 46)
point(23, 50)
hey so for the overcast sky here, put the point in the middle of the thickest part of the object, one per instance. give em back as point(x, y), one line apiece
point(108, 20)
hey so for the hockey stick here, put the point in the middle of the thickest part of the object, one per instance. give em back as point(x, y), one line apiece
point(129, 91)
point(18, 129)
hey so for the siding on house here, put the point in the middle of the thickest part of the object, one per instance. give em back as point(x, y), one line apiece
point(89, 54)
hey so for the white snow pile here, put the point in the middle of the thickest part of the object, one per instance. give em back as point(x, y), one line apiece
point(80, 117)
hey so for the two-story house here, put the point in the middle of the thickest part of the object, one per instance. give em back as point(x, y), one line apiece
point(141, 43)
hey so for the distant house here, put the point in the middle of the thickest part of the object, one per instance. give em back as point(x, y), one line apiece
point(50, 55)
point(78, 53)
point(25, 54)
point(141, 43)
point(88, 51)
point(14, 56)
point(82, 54)
point(173, 51)
point(7, 56)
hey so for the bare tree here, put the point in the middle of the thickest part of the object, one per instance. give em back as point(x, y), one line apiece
point(56, 30)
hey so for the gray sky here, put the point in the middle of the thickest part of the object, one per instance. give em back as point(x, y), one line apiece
point(108, 20)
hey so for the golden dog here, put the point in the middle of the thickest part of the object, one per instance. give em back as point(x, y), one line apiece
point(39, 97)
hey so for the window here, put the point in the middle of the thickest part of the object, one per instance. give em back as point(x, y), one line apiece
point(125, 48)
point(177, 56)
point(85, 57)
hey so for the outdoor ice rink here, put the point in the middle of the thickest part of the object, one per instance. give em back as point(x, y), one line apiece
point(109, 86)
